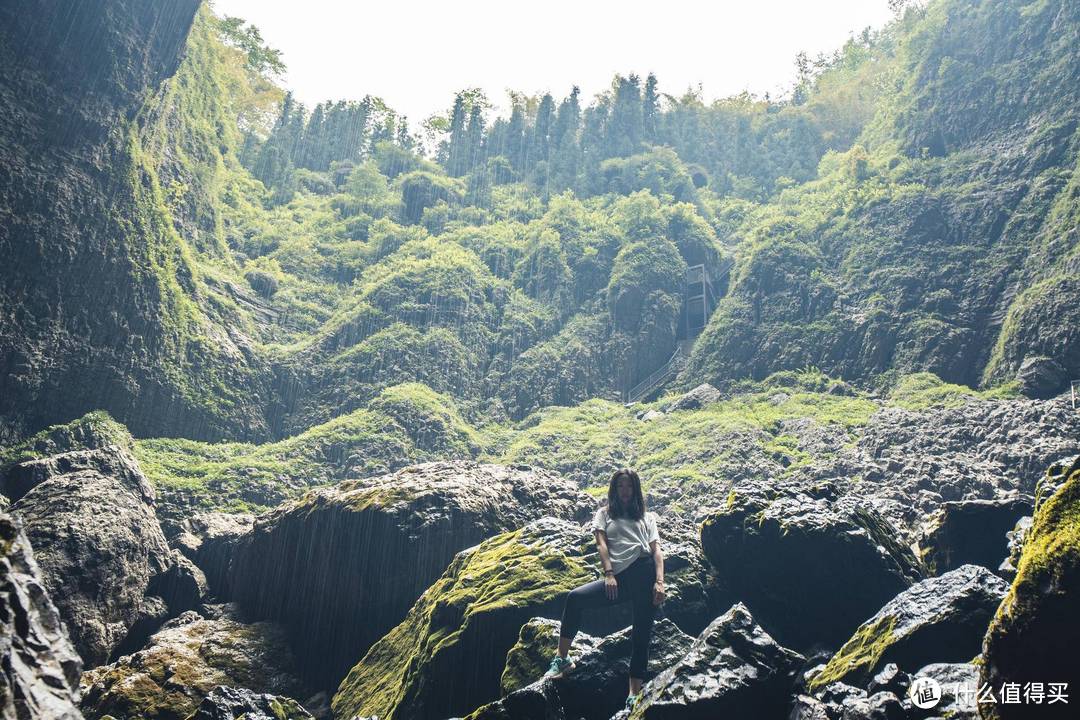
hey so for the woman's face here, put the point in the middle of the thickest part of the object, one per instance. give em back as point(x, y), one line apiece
point(625, 488)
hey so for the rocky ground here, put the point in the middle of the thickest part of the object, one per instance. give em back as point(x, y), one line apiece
point(931, 546)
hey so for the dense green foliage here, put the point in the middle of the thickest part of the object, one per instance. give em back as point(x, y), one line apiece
point(882, 220)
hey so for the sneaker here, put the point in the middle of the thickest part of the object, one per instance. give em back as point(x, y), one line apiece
point(559, 667)
point(631, 701)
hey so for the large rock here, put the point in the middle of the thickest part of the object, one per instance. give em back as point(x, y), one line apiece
point(970, 531)
point(369, 548)
point(941, 619)
point(226, 703)
point(209, 540)
point(90, 519)
point(596, 688)
point(39, 669)
point(184, 662)
point(1035, 636)
point(1041, 377)
point(447, 656)
point(807, 566)
point(733, 669)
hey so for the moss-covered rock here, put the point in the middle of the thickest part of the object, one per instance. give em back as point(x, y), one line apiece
point(369, 548)
point(940, 619)
point(184, 662)
point(447, 656)
point(1034, 636)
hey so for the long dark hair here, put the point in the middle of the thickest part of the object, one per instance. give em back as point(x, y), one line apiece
point(635, 510)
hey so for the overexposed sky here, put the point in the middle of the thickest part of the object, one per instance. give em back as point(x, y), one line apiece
point(416, 55)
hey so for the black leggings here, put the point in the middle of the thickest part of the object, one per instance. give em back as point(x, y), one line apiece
point(635, 585)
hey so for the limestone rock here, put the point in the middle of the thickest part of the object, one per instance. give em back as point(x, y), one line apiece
point(1034, 635)
point(970, 531)
point(227, 703)
point(369, 548)
point(941, 619)
point(447, 656)
point(807, 566)
point(97, 571)
point(184, 662)
point(733, 669)
point(596, 688)
point(39, 669)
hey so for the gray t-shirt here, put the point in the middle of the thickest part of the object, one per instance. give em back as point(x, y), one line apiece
point(627, 539)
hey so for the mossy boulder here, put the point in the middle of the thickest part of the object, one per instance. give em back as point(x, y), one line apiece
point(807, 567)
point(1034, 635)
point(368, 549)
point(940, 619)
point(98, 572)
point(184, 662)
point(447, 656)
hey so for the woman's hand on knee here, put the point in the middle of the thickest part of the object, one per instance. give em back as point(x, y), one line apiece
point(611, 587)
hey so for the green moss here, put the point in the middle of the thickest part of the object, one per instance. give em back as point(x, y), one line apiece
point(509, 575)
point(527, 660)
point(924, 391)
point(93, 430)
point(859, 655)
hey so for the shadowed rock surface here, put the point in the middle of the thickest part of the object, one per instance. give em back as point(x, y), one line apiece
point(806, 566)
point(368, 548)
point(184, 662)
point(39, 669)
point(733, 669)
point(940, 619)
point(970, 531)
point(1035, 634)
point(447, 656)
point(596, 688)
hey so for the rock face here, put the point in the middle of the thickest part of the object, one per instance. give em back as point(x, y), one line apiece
point(210, 540)
point(184, 662)
point(98, 571)
point(94, 272)
point(39, 670)
point(1035, 635)
point(447, 656)
point(733, 669)
point(807, 566)
point(1042, 377)
point(596, 688)
point(941, 619)
point(368, 548)
point(226, 703)
point(970, 531)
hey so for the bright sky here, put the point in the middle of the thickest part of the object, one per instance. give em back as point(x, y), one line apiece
point(416, 55)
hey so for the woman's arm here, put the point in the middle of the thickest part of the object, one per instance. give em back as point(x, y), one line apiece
point(658, 558)
point(611, 586)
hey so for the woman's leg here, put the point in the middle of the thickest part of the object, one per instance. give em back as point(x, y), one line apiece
point(589, 595)
point(641, 632)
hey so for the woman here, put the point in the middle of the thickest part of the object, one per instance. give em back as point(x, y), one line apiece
point(629, 547)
